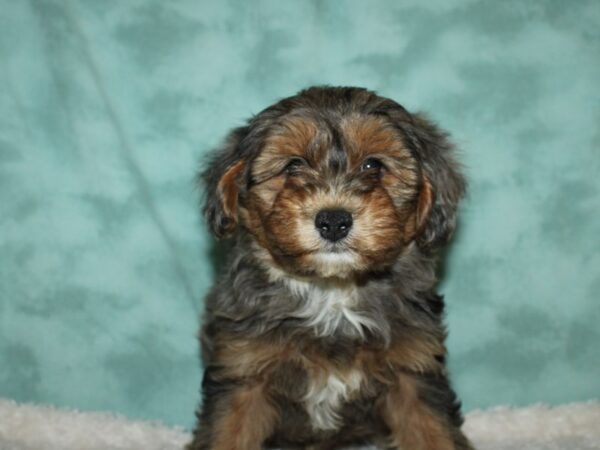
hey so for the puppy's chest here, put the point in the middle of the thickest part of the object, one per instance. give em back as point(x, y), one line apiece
point(326, 380)
point(331, 309)
point(336, 315)
point(326, 395)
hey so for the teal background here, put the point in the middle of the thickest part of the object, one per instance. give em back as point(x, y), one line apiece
point(107, 108)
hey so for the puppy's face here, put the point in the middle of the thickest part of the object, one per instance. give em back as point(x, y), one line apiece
point(333, 197)
point(325, 191)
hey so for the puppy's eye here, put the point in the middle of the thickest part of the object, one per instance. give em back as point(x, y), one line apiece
point(293, 165)
point(371, 164)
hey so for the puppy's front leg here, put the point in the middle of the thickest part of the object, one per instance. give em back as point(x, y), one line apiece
point(414, 425)
point(240, 419)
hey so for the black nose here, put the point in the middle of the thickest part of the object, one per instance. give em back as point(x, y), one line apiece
point(333, 224)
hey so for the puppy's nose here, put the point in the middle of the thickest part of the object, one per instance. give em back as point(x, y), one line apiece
point(333, 224)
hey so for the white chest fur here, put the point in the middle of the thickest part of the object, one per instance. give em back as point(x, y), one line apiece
point(327, 305)
point(325, 396)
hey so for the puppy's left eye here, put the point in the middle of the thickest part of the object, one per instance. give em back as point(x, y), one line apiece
point(293, 165)
point(371, 164)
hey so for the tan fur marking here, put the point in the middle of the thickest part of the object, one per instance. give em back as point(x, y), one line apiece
point(249, 358)
point(412, 353)
point(376, 236)
point(228, 192)
point(412, 424)
point(371, 135)
point(424, 202)
point(416, 353)
point(247, 421)
point(292, 138)
point(267, 191)
point(296, 134)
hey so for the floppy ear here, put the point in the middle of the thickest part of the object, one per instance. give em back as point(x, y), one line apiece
point(223, 180)
point(418, 219)
point(442, 184)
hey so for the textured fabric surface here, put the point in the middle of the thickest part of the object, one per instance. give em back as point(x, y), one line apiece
point(108, 107)
point(32, 427)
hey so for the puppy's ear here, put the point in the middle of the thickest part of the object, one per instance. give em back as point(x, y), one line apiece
point(418, 219)
point(442, 183)
point(223, 180)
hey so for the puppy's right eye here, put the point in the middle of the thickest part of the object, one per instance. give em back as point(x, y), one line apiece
point(293, 165)
point(371, 164)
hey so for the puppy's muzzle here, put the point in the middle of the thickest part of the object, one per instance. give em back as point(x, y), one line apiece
point(333, 224)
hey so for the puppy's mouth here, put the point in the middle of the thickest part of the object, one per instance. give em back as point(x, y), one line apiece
point(335, 256)
point(335, 262)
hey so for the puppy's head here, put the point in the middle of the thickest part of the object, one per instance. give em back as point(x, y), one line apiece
point(334, 182)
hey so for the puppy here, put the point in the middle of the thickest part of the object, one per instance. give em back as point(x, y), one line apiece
point(324, 330)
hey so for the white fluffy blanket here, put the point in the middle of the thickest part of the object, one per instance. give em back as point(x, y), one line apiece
point(30, 427)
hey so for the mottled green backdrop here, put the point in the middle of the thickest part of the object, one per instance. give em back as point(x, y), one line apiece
point(107, 107)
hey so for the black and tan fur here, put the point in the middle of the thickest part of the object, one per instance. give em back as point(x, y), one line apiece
point(313, 344)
